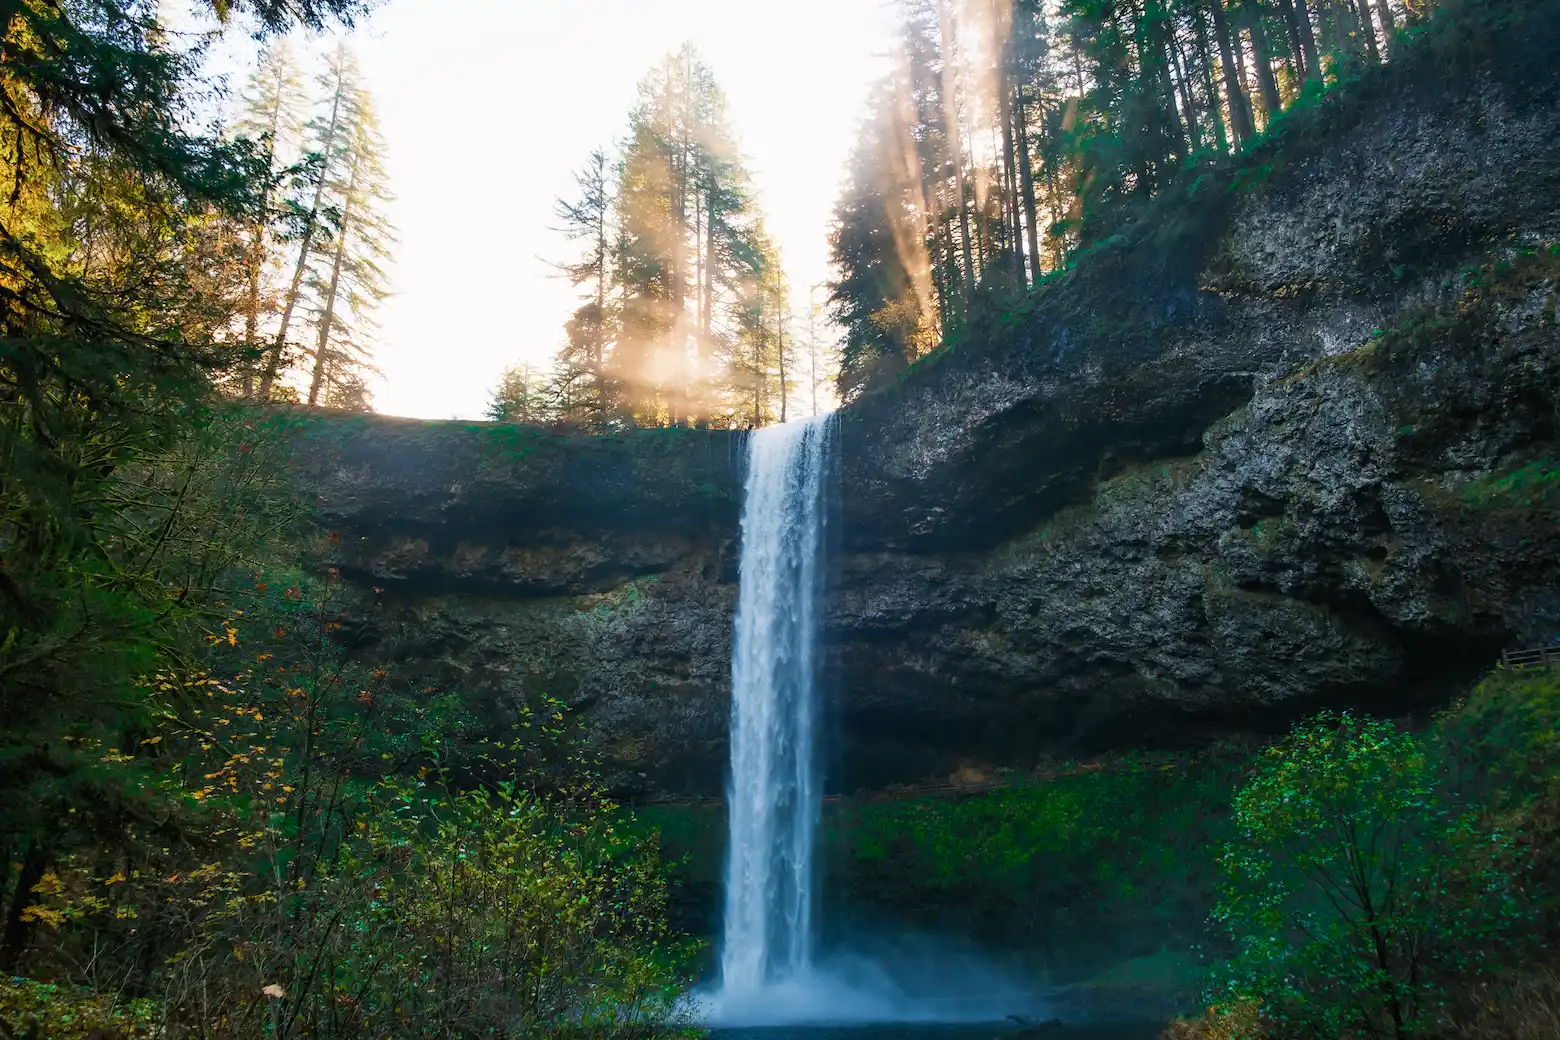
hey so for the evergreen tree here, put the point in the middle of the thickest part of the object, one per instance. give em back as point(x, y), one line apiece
point(123, 271)
point(329, 146)
point(875, 298)
point(524, 394)
point(588, 220)
point(1014, 131)
point(271, 117)
point(685, 249)
point(348, 288)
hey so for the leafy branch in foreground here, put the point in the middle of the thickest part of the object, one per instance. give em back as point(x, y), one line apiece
point(1358, 888)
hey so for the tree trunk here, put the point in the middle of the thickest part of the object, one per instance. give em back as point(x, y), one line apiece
point(1388, 27)
point(699, 406)
point(1026, 174)
point(708, 288)
point(1155, 46)
point(1367, 29)
point(1313, 64)
point(678, 391)
point(252, 305)
point(780, 353)
point(598, 345)
point(1286, 10)
point(1243, 78)
point(257, 248)
point(328, 315)
point(759, 382)
point(1205, 63)
point(950, 102)
point(1264, 62)
point(274, 362)
point(1240, 110)
point(1013, 229)
point(13, 941)
point(1054, 204)
point(1180, 76)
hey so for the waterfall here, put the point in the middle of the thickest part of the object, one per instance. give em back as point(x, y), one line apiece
point(774, 794)
point(767, 972)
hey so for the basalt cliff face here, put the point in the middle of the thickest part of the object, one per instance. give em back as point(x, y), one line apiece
point(1303, 453)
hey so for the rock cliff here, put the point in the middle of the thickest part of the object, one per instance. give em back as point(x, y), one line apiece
point(1291, 442)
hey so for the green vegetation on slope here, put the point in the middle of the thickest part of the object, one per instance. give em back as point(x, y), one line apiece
point(1121, 854)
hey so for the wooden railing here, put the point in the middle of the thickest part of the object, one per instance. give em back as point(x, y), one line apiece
point(1534, 657)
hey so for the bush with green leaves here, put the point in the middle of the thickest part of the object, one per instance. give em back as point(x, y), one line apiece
point(1357, 887)
point(301, 854)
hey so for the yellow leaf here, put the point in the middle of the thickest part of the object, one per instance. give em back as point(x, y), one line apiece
point(119, 876)
point(152, 740)
point(47, 915)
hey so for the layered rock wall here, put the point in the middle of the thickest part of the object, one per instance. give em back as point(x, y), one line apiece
point(1295, 446)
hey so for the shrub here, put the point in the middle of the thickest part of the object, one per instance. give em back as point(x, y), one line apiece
point(1356, 888)
point(39, 1009)
point(1520, 1006)
point(1237, 1021)
point(296, 856)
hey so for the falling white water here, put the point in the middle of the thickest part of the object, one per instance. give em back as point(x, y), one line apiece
point(774, 795)
point(768, 974)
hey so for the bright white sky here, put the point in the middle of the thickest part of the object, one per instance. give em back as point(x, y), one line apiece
point(488, 106)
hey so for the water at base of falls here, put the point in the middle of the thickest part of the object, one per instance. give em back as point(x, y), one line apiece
point(770, 973)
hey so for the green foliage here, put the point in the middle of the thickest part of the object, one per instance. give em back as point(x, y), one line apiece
point(1535, 483)
point(41, 1009)
point(171, 531)
point(215, 819)
point(1124, 850)
point(303, 860)
point(1505, 735)
point(1357, 887)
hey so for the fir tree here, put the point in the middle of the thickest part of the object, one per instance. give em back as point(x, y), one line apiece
point(588, 221)
point(685, 249)
point(271, 118)
point(349, 282)
point(329, 147)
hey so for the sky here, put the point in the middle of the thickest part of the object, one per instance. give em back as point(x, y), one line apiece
point(488, 106)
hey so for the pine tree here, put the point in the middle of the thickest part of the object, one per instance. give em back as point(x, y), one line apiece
point(271, 118)
point(760, 359)
point(588, 220)
point(683, 256)
point(347, 292)
point(329, 144)
point(874, 296)
point(524, 394)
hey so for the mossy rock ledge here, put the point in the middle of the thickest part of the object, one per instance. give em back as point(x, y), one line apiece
point(1295, 452)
